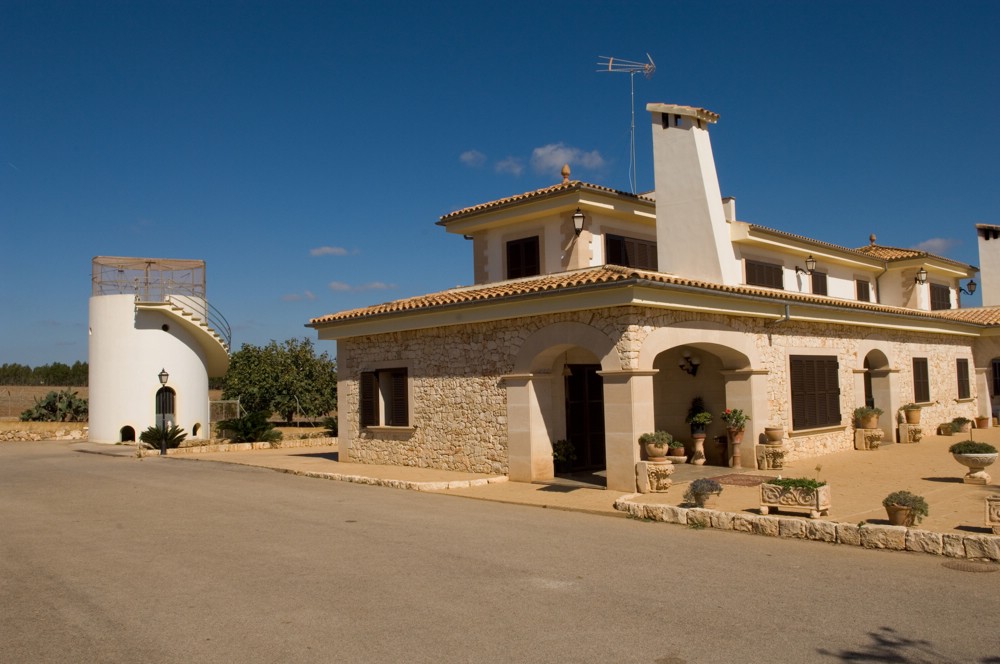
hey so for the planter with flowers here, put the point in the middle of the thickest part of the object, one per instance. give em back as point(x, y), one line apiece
point(796, 494)
point(976, 457)
point(698, 418)
point(736, 423)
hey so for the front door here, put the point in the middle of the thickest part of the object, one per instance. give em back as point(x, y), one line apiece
point(585, 416)
point(164, 407)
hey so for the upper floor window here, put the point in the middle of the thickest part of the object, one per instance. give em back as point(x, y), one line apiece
point(940, 297)
point(921, 380)
point(630, 252)
point(523, 258)
point(384, 398)
point(962, 369)
point(815, 391)
point(819, 283)
point(863, 289)
point(764, 274)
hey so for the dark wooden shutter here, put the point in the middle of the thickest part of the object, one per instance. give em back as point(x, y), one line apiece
point(940, 297)
point(815, 387)
point(864, 290)
point(962, 367)
point(819, 283)
point(630, 252)
point(768, 275)
point(398, 407)
point(369, 399)
point(523, 258)
point(921, 380)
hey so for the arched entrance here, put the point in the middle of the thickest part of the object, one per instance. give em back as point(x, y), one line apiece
point(127, 434)
point(584, 389)
point(165, 399)
point(878, 390)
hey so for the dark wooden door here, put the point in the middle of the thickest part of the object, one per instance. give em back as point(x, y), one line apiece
point(585, 416)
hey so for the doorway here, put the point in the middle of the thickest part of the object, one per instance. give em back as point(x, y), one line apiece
point(585, 416)
point(164, 407)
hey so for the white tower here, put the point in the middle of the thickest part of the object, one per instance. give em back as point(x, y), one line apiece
point(692, 235)
point(989, 263)
point(154, 343)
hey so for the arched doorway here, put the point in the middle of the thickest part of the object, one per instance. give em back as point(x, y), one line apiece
point(165, 399)
point(584, 390)
point(127, 434)
point(878, 390)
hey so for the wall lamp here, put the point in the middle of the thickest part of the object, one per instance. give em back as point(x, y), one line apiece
point(578, 222)
point(163, 375)
point(921, 277)
point(810, 266)
point(689, 363)
point(972, 287)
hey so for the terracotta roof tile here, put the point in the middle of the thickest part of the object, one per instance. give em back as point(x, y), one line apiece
point(538, 193)
point(610, 274)
point(892, 253)
point(987, 316)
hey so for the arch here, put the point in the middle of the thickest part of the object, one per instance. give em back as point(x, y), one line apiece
point(876, 384)
point(165, 407)
point(127, 434)
point(195, 429)
point(540, 350)
point(735, 349)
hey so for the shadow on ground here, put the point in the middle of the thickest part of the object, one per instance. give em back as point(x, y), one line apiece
point(888, 645)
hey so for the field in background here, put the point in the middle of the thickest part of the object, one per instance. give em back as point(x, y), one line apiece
point(15, 399)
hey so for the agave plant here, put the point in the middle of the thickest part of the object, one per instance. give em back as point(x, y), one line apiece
point(163, 438)
point(253, 427)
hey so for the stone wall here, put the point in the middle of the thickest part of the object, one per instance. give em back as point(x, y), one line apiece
point(458, 401)
point(43, 431)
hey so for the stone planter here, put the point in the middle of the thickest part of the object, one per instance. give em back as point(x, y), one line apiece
point(976, 463)
point(868, 439)
point(962, 428)
point(870, 422)
point(770, 457)
point(814, 501)
point(698, 457)
point(676, 455)
point(733, 453)
point(656, 451)
point(993, 513)
point(899, 515)
point(912, 416)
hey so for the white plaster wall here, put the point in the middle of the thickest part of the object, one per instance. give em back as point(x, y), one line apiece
point(989, 270)
point(127, 350)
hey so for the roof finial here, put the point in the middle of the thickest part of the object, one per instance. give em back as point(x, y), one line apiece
point(565, 173)
point(871, 238)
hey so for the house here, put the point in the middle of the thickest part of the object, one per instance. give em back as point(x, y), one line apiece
point(597, 315)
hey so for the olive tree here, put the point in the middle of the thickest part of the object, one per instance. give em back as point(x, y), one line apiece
point(285, 378)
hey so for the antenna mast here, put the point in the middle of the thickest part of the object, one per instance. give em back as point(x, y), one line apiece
point(630, 67)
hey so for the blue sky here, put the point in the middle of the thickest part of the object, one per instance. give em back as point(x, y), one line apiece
point(305, 149)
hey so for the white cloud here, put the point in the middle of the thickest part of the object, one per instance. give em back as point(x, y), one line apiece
point(936, 245)
point(328, 251)
point(510, 165)
point(298, 297)
point(341, 287)
point(472, 158)
point(550, 158)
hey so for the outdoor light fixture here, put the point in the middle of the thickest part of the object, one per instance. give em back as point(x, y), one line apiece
point(163, 376)
point(921, 277)
point(578, 222)
point(689, 363)
point(810, 266)
point(971, 287)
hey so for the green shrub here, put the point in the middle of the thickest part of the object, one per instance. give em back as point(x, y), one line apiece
point(62, 406)
point(972, 447)
point(960, 422)
point(797, 483)
point(169, 438)
point(700, 488)
point(657, 438)
point(861, 412)
point(253, 427)
point(332, 426)
point(563, 451)
point(917, 504)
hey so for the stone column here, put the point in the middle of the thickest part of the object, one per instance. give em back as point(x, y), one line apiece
point(628, 413)
point(746, 389)
point(528, 447)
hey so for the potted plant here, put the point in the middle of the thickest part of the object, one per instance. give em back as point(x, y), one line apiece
point(976, 457)
point(656, 444)
point(675, 451)
point(795, 493)
point(866, 417)
point(982, 422)
point(698, 417)
point(699, 491)
point(911, 412)
point(961, 425)
point(946, 429)
point(905, 508)
point(563, 455)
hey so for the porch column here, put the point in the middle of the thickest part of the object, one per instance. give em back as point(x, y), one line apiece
point(628, 413)
point(746, 389)
point(529, 450)
point(984, 404)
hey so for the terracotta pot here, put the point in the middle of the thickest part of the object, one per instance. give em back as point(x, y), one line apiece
point(870, 422)
point(965, 428)
point(912, 416)
point(982, 422)
point(899, 515)
point(677, 455)
point(656, 451)
point(774, 434)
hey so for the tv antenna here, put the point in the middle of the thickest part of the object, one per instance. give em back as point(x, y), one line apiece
point(630, 67)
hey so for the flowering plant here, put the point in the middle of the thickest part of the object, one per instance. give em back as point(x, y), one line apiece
point(735, 419)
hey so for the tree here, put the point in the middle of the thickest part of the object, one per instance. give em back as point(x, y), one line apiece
point(285, 378)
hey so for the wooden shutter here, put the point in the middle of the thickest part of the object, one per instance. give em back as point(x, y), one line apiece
point(523, 258)
point(815, 387)
point(369, 399)
point(921, 380)
point(819, 283)
point(864, 290)
point(768, 275)
point(940, 297)
point(962, 368)
point(397, 414)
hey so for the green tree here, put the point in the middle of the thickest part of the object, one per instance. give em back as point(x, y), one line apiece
point(285, 378)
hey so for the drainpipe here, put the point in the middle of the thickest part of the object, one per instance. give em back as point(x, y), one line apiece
point(878, 287)
point(785, 318)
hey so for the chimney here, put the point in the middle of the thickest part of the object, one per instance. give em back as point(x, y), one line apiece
point(989, 263)
point(692, 234)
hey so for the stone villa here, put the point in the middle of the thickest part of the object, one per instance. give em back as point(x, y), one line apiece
point(598, 315)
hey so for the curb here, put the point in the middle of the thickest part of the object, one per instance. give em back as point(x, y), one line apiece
point(890, 538)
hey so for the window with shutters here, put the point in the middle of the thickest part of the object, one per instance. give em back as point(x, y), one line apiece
point(523, 258)
point(921, 380)
point(962, 369)
point(384, 399)
point(815, 388)
point(630, 252)
point(863, 289)
point(819, 283)
point(940, 297)
point(764, 274)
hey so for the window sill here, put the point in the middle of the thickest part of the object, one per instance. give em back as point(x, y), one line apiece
point(818, 430)
point(965, 400)
point(388, 429)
